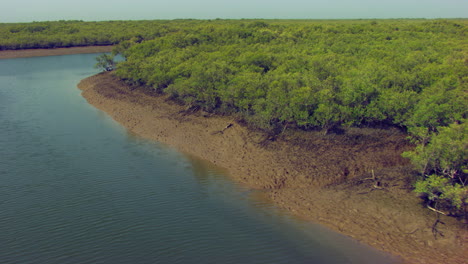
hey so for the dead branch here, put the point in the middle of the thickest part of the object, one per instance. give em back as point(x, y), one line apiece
point(436, 231)
point(228, 126)
point(377, 183)
point(371, 178)
point(435, 210)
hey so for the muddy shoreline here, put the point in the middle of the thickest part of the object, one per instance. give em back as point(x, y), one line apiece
point(27, 53)
point(326, 179)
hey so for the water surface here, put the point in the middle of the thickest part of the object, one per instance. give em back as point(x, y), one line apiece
point(76, 187)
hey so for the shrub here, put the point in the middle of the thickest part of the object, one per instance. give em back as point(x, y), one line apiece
point(442, 158)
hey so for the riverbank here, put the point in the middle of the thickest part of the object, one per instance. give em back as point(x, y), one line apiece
point(27, 53)
point(355, 183)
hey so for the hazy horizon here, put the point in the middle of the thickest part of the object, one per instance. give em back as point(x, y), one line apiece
point(51, 10)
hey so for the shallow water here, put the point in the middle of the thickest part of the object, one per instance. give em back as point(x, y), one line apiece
point(76, 187)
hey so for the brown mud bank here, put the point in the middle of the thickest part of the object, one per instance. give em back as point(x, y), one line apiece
point(355, 183)
point(26, 53)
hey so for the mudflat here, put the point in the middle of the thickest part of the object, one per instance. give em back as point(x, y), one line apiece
point(354, 182)
point(11, 54)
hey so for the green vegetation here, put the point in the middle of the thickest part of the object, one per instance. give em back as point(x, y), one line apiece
point(307, 74)
point(311, 74)
point(105, 62)
point(442, 162)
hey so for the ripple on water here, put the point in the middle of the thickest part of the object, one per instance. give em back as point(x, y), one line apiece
point(77, 188)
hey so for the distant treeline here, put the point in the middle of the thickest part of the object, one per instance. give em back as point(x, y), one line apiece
point(59, 34)
point(306, 74)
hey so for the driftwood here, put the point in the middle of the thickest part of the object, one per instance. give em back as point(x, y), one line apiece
point(222, 130)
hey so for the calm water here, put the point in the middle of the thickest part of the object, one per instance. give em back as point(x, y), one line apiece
point(75, 187)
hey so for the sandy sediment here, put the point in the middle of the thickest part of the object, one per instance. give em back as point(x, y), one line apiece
point(355, 183)
point(26, 53)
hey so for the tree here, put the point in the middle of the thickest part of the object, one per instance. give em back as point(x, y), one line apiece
point(105, 62)
point(445, 154)
point(443, 163)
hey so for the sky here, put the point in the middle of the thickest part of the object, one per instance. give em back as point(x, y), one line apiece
point(98, 10)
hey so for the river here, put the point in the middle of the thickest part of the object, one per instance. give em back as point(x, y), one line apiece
point(76, 187)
